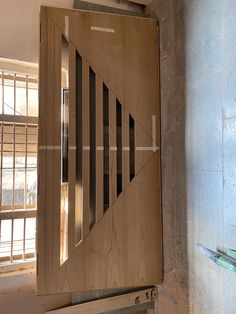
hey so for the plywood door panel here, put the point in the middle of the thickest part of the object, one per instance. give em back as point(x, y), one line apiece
point(122, 247)
point(135, 34)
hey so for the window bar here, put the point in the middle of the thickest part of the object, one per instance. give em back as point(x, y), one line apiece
point(1, 166)
point(14, 93)
point(12, 239)
point(27, 95)
point(25, 170)
point(3, 105)
point(14, 149)
point(24, 231)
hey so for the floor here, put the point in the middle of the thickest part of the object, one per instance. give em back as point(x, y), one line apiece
point(198, 80)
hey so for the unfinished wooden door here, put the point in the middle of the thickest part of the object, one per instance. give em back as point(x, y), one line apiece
point(99, 206)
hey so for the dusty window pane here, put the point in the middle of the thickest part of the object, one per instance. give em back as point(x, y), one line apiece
point(7, 160)
point(19, 186)
point(19, 160)
point(7, 186)
point(31, 186)
point(9, 96)
point(20, 96)
point(30, 235)
point(5, 238)
point(18, 235)
point(32, 99)
point(32, 160)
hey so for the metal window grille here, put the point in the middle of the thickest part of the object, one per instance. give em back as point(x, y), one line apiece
point(18, 167)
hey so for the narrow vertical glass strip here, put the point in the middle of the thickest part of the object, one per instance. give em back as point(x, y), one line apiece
point(64, 149)
point(92, 123)
point(132, 147)
point(106, 147)
point(79, 151)
point(119, 146)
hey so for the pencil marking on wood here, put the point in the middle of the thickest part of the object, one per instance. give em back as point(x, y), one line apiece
point(102, 29)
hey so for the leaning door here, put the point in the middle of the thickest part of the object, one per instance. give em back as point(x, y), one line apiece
point(99, 189)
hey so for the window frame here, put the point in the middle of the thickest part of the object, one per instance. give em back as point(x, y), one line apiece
point(29, 70)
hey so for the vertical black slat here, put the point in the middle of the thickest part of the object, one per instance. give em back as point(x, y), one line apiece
point(106, 147)
point(119, 146)
point(65, 109)
point(79, 152)
point(132, 147)
point(92, 119)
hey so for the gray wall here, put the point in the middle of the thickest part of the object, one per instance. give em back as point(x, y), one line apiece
point(198, 69)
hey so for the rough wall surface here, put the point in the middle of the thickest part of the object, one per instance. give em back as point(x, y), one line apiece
point(19, 27)
point(198, 84)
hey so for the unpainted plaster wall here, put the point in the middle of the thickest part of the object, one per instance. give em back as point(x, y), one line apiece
point(19, 27)
point(198, 95)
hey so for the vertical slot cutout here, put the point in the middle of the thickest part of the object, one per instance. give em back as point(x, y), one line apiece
point(92, 122)
point(106, 147)
point(64, 149)
point(119, 146)
point(132, 147)
point(79, 152)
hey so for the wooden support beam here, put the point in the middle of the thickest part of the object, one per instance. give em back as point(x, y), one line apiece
point(18, 214)
point(134, 301)
point(18, 119)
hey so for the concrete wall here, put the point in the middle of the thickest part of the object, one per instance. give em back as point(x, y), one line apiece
point(198, 70)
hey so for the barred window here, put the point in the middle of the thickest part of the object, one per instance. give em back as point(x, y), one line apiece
point(18, 168)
